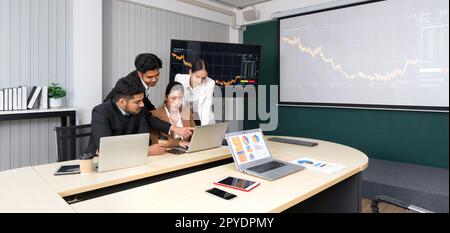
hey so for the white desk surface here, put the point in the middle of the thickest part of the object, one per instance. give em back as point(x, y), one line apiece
point(187, 193)
point(22, 190)
point(73, 184)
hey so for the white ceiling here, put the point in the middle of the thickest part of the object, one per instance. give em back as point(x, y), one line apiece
point(240, 4)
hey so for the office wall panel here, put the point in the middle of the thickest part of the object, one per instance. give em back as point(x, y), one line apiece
point(35, 49)
point(130, 29)
point(404, 136)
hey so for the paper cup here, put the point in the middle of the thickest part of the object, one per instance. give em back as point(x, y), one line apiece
point(86, 166)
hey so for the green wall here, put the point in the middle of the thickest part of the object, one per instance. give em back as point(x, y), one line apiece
point(404, 136)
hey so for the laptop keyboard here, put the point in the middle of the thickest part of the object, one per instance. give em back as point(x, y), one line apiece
point(266, 167)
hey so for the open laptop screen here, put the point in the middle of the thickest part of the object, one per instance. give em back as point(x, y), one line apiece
point(249, 147)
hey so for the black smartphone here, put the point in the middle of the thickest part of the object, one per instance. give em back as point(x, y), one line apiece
point(224, 142)
point(176, 151)
point(220, 193)
point(67, 170)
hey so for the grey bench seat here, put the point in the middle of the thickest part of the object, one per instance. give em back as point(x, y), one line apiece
point(422, 186)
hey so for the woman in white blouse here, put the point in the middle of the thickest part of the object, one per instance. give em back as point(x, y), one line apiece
point(198, 91)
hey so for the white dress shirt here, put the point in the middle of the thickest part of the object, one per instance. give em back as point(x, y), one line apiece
point(147, 89)
point(147, 95)
point(122, 111)
point(201, 97)
point(179, 122)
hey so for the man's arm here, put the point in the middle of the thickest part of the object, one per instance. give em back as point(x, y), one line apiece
point(148, 104)
point(156, 123)
point(144, 127)
point(101, 127)
point(166, 127)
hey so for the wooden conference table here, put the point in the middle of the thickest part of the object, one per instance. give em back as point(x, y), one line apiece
point(304, 191)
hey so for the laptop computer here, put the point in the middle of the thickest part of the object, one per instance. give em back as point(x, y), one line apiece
point(252, 156)
point(118, 152)
point(204, 137)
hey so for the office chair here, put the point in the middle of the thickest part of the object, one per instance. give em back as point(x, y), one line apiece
point(66, 140)
point(396, 202)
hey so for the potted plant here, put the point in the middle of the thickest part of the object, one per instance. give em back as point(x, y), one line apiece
point(56, 95)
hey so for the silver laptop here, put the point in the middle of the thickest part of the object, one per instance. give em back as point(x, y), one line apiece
point(204, 137)
point(118, 152)
point(252, 156)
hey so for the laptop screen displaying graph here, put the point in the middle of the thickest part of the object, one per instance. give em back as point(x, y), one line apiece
point(249, 147)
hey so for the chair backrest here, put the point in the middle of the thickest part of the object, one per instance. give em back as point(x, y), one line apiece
point(197, 122)
point(66, 140)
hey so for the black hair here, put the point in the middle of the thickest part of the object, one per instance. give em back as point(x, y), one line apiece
point(199, 64)
point(146, 62)
point(126, 88)
point(172, 85)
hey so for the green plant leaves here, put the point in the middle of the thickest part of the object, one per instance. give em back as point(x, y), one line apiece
point(55, 91)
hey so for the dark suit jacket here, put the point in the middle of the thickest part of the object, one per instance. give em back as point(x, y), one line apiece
point(162, 114)
point(108, 120)
point(148, 106)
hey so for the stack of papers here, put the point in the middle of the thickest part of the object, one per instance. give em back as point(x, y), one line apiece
point(318, 165)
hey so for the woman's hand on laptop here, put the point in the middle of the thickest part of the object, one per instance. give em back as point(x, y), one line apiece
point(156, 149)
point(184, 132)
point(184, 144)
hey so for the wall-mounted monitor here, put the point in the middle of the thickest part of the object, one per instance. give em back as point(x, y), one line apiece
point(390, 54)
point(228, 64)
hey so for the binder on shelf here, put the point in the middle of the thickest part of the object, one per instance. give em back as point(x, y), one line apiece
point(14, 98)
point(5, 99)
point(32, 98)
point(10, 99)
point(19, 98)
point(2, 99)
point(43, 102)
point(24, 97)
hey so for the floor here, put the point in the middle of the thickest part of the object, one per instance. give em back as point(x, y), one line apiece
point(384, 208)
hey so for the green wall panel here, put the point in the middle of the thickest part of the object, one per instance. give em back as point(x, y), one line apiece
point(404, 136)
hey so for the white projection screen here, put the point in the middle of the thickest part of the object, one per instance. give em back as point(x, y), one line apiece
point(379, 54)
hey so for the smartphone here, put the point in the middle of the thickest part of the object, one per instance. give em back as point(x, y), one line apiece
point(236, 183)
point(220, 193)
point(176, 151)
point(67, 170)
point(224, 142)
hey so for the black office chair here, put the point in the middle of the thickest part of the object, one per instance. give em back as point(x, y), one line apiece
point(197, 122)
point(395, 202)
point(66, 140)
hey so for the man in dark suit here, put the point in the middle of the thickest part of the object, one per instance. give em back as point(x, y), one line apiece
point(121, 115)
point(147, 73)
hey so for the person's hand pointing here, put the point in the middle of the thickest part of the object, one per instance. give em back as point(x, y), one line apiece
point(184, 132)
